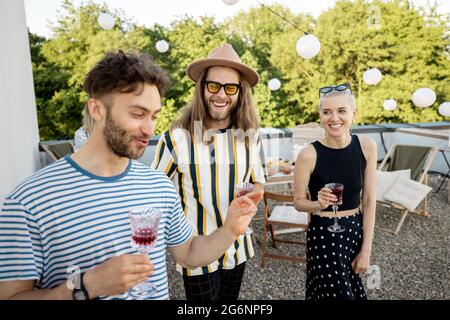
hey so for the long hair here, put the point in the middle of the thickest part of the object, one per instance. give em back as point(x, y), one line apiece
point(243, 116)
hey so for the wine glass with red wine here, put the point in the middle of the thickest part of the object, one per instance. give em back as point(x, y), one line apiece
point(240, 190)
point(144, 233)
point(337, 189)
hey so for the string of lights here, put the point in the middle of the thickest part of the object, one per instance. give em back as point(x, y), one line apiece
point(422, 97)
point(308, 46)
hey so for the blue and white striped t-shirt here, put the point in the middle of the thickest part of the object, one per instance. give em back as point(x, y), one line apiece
point(64, 217)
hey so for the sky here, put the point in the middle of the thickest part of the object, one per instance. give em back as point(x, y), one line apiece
point(40, 13)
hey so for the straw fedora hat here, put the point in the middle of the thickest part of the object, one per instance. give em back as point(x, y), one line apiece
point(222, 56)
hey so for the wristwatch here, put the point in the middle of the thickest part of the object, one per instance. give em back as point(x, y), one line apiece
point(81, 292)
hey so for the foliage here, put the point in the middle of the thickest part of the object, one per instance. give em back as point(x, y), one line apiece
point(410, 46)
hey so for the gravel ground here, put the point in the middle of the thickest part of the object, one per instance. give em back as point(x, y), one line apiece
point(413, 265)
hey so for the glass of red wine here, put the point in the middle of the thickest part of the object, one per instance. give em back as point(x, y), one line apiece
point(240, 190)
point(337, 189)
point(144, 233)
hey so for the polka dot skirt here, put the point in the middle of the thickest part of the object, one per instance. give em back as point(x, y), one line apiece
point(329, 274)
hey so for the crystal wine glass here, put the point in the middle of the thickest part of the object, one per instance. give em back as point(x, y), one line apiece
point(144, 233)
point(240, 190)
point(337, 189)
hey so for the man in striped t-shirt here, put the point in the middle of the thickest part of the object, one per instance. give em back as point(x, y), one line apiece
point(71, 217)
point(210, 148)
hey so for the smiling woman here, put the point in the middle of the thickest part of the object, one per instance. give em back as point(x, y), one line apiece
point(336, 117)
point(337, 253)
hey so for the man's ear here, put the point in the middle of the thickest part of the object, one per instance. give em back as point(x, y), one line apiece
point(96, 109)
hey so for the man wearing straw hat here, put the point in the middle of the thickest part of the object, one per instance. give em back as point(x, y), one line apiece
point(210, 148)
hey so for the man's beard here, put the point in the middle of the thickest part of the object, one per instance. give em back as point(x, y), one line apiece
point(118, 139)
point(219, 116)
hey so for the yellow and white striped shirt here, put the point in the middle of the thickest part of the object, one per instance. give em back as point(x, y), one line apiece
point(205, 175)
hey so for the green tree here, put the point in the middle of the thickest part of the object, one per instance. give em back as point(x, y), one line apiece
point(189, 40)
point(48, 80)
point(78, 42)
point(410, 46)
point(259, 35)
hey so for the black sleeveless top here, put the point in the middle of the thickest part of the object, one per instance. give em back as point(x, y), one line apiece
point(344, 166)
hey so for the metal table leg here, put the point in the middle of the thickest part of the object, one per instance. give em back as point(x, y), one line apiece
point(448, 172)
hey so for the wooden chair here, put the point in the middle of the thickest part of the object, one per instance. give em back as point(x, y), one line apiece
point(282, 219)
point(416, 158)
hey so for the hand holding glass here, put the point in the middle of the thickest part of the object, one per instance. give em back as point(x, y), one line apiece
point(240, 190)
point(144, 228)
point(337, 189)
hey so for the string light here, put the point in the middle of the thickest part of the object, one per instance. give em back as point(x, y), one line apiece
point(372, 76)
point(162, 46)
point(390, 104)
point(230, 2)
point(274, 84)
point(423, 97)
point(106, 21)
point(444, 109)
point(308, 46)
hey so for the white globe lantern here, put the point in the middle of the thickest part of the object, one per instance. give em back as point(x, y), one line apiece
point(230, 2)
point(423, 97)
point(274, 84)
point(390, 104)
point(162, 46)
point(444, 109)
point(308, 46)
point(372, 76)
point(106, 21)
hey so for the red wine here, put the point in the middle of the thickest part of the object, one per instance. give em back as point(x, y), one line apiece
point(338, 193)
point(241, 189)
point(242, 193)
point(144, 237)
point(287, 170)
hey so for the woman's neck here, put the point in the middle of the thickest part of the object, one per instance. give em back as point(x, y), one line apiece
point(337, 142)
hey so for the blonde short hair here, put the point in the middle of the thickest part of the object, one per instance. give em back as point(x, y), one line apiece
point(333, 93)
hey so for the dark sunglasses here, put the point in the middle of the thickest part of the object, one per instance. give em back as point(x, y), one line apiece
point(339, 87)
point(229, 88)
